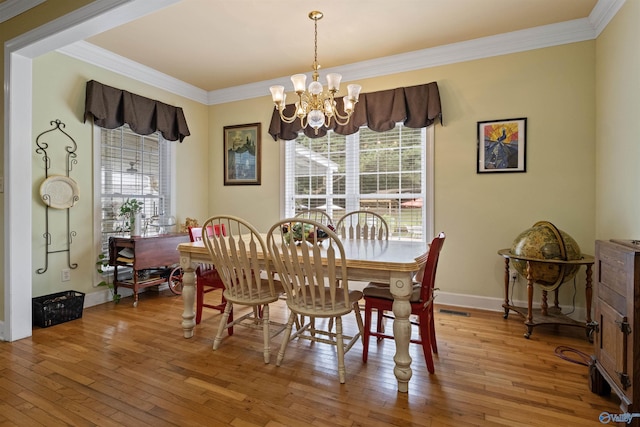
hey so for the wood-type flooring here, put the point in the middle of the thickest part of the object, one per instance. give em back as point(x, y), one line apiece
point(125, 366)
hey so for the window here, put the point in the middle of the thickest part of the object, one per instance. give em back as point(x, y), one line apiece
point(132, 166)
point(386, 172)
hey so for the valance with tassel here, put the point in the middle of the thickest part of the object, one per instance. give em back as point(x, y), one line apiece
point(112, 108)
point(415, 106)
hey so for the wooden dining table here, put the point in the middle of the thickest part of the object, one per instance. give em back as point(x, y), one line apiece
point(386, 261)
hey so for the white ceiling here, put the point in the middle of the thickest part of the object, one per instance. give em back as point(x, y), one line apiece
point(215, 47)
point(217, 44)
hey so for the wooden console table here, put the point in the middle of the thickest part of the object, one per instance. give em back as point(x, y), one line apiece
point(143, 253)
point(546, 315)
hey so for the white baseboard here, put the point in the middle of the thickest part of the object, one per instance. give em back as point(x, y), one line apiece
point(443, 298)
point(495, 304)
point(103, 295)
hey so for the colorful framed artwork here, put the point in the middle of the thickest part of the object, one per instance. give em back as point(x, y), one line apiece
point(502, 145)
point(242, 152)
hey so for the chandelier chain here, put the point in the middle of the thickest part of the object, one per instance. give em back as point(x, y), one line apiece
point(315, 47)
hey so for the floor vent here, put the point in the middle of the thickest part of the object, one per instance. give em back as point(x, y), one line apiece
point(454, 312)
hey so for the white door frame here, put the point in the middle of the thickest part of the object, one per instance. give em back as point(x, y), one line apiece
point(19, 53)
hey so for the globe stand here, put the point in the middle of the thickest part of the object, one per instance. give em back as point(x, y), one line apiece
point(546, 315)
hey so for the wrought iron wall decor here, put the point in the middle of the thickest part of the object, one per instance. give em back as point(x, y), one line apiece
point(58, 191)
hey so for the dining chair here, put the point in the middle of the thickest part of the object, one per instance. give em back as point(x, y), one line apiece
point(248, 280)
point(312, 267)
point(363, 224)
point(207, 278)
point(316, 215)
point(378, 296)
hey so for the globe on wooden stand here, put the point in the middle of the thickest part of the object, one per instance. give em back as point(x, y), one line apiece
point(545, 241)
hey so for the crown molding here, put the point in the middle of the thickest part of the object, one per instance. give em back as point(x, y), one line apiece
point(518, 41)
point(603, 12)
point(96, 17)
point(502, 44)
point(92, 54)
point(12, 8)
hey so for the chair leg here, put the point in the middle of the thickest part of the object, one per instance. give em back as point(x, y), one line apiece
point(379, 325)
point(312, 329)
point(434, 346)
point(367, 332)
point(230, 328)
point(342, 373)
point(285, 339)
point(356, 311)
point(199, 302)
point(223, 324)
point(425, 337)
point(265, 331)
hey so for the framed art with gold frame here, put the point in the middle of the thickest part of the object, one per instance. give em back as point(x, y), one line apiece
point(242, 152)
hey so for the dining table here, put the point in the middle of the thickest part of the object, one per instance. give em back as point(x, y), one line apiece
point(385, 261)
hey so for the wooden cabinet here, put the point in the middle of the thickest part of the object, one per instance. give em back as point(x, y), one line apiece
point(143, 254)
point(616, 359)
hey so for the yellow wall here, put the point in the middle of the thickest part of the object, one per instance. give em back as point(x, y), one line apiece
point(480, 213)
point(580, 101)
point(11, 29)
point(618, 126)
point(58, 93)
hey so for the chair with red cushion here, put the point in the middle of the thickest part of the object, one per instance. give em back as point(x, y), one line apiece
point(378, 296)
point(207, 279)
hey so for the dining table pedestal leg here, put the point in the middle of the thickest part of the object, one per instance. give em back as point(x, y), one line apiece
point(401, 288)
point(188, 295)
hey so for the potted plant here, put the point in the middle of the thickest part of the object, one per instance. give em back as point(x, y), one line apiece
point(131, 211)
point(101, 266)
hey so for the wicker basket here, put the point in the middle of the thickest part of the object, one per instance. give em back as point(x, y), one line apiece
point(49, 310)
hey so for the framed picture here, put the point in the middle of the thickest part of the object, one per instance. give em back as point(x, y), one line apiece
point(242, 152)
point(502, 145)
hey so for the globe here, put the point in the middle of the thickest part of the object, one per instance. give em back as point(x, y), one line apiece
point(545, 241)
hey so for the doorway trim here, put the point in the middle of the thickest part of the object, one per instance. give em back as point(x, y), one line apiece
point(19, 53)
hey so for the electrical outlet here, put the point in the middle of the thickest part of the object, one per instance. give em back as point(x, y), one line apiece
point(66, 274)
point(513, 274)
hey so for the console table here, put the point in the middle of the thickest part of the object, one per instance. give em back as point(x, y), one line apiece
point(546, 315)
point(143, 253)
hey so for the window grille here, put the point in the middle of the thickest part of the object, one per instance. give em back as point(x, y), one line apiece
point(386, 172)
point(138, 167)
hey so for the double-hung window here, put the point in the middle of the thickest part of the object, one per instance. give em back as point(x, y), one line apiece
point(133, 166)
point(390, 173)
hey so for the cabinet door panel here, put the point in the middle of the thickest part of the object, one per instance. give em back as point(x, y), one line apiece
point(611, 348)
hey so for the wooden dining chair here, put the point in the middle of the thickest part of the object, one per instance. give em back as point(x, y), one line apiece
point(377, 296)
point(248, 281)
point(363, 224)
point(207, 279)
point(316, 215)
point(312, 267)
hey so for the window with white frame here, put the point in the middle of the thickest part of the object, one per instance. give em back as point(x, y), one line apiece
point(386, 172)
point(133, 166)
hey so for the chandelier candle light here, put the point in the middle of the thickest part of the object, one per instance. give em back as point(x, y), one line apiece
point(314, 106)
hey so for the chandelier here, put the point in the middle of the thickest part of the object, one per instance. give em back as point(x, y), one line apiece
point(315, 107)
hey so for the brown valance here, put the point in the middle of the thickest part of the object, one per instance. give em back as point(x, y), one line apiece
point(415, 106)
point(112, 108)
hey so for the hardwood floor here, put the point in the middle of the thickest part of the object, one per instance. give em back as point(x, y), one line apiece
point(121, 365)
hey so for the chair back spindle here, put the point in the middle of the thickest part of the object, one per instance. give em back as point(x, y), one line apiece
point(316, 215)
point(363, 224)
